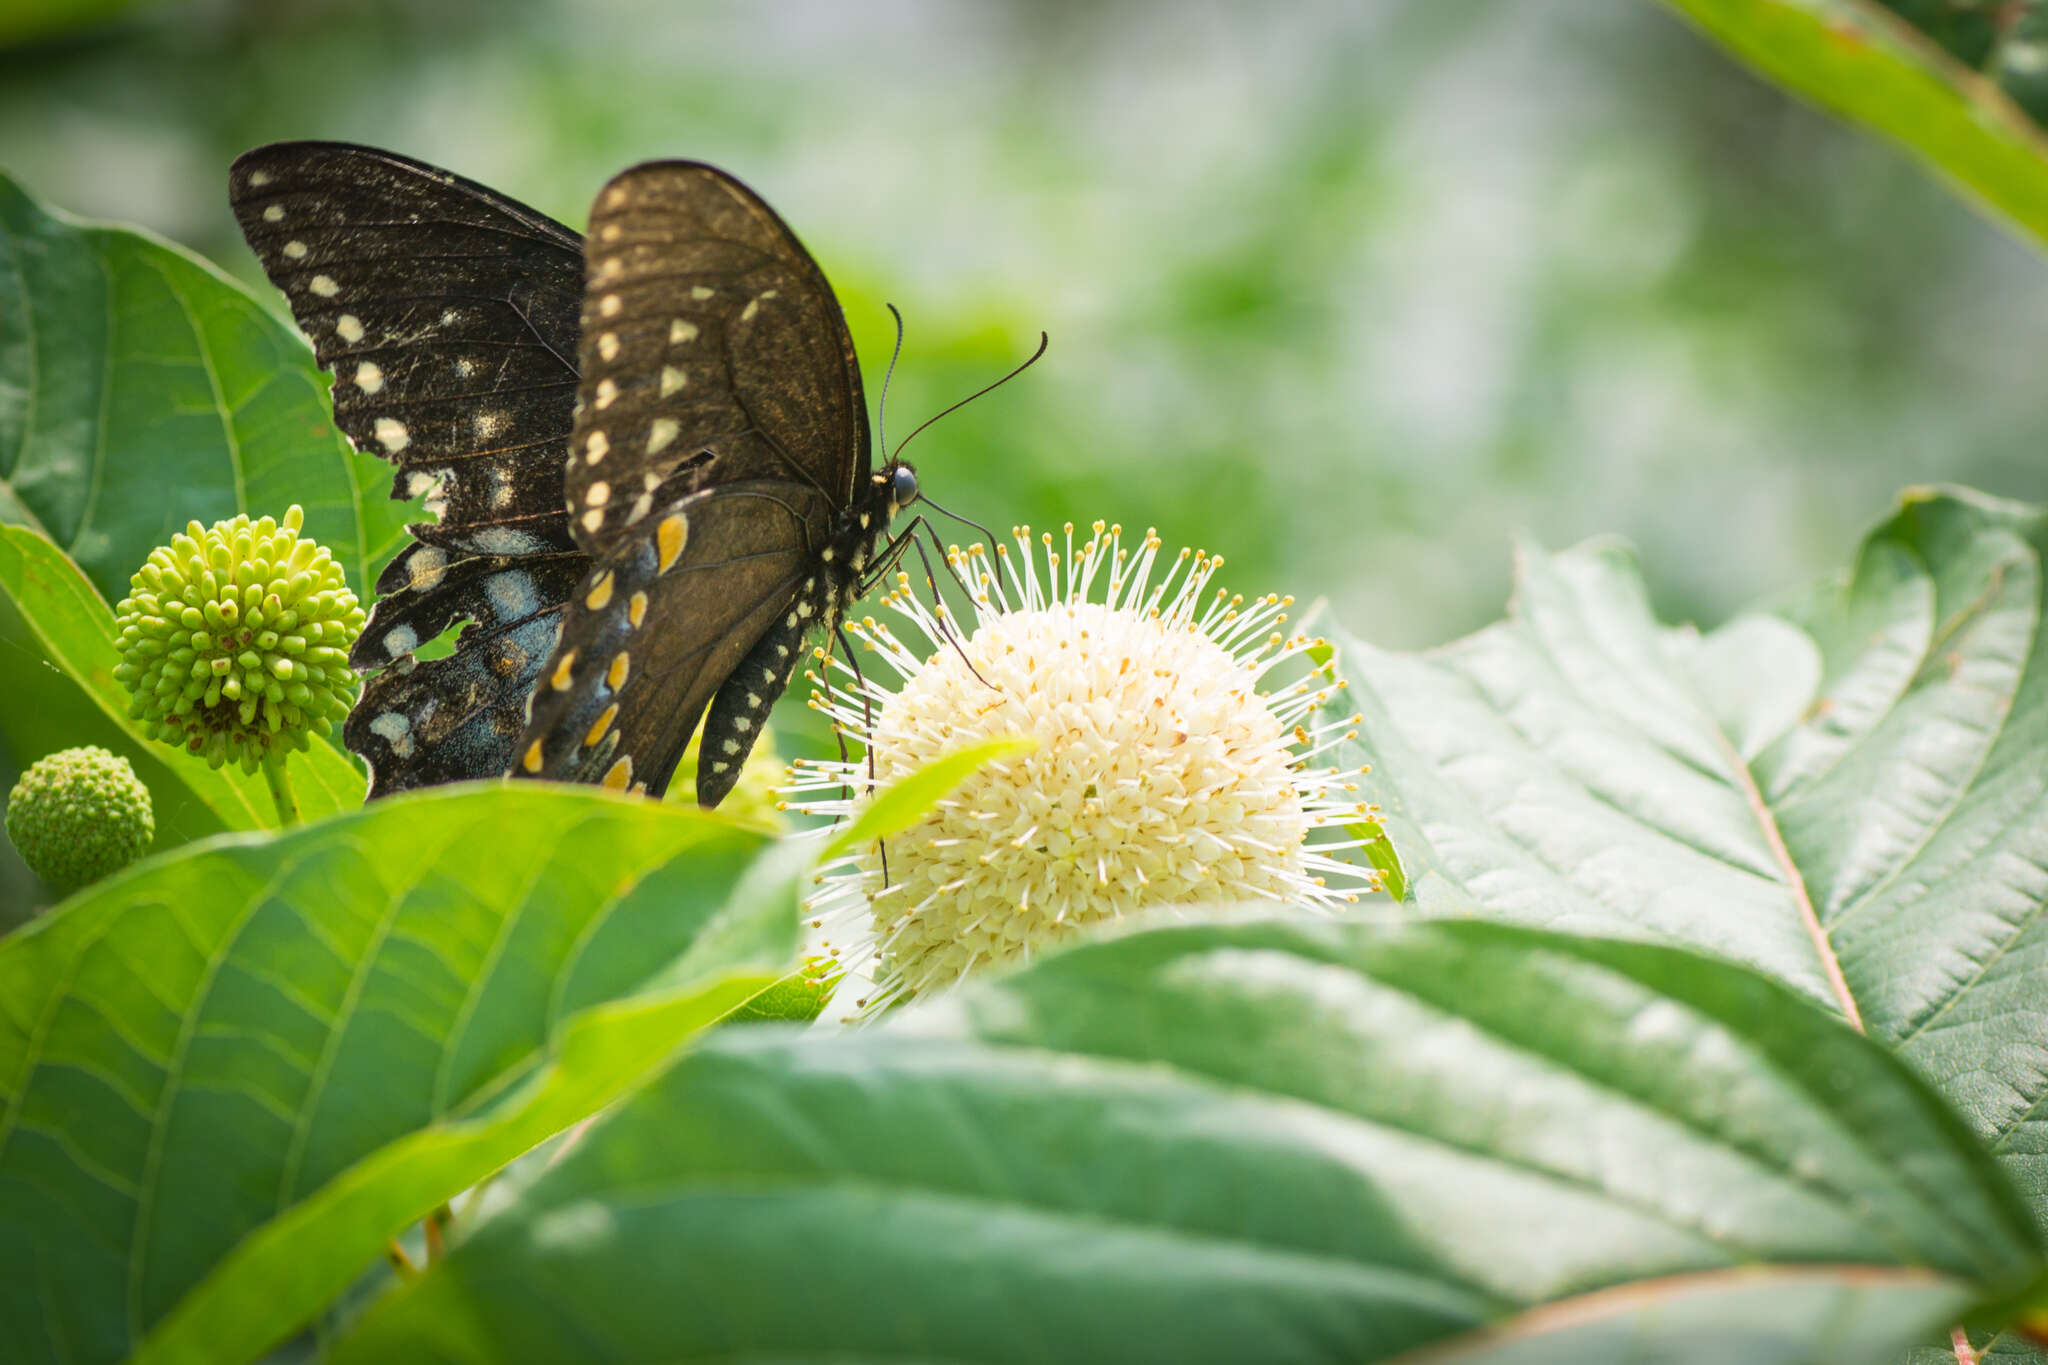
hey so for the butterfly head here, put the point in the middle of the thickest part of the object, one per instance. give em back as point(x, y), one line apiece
point(898, 483)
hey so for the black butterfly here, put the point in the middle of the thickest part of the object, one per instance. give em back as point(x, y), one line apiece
point(647, 448)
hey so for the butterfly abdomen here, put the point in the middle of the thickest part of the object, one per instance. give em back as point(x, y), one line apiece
point(733, 725)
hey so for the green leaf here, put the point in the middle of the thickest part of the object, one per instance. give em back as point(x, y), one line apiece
point(1850, 793)
point(229, 1075)
point(70, 634)
point(141, 389)
point(1778, 1315)
point(899, 805)
point(1276, 1139)
point(1866, 63)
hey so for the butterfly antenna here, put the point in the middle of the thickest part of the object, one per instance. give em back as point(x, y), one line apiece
point(972, 396)
point(882, 408)
point(964, 521)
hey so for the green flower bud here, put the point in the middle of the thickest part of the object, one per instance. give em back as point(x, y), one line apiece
point(214, 658)
point(79, 815)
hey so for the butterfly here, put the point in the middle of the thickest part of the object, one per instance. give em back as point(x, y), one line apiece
point(646, 449)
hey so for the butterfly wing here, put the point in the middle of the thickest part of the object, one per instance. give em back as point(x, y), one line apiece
point(721, 428)
point(448, 316)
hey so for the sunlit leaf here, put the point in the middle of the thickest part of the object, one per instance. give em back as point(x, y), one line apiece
point(1866, 62)
point(1884, 849)
point(229, 1075)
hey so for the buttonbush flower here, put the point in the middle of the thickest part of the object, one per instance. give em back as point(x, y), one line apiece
point(1165, 773)
point(234, 643)
point(79, 815)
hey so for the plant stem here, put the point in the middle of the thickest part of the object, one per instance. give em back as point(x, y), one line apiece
point(400, 1262)
point(280, 789)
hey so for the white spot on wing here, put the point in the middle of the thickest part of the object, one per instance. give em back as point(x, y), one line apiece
point(324, 286)
point(660, 432)
point(426, 566)
point(258, 179)
point(349, 328)
point(401, 641)
point(608, 347)
point(700, 292)
point(672, 379)
point(395, 729)
point(595, 448)
point(296, 250)
point(607, 393)
point(273, 214)
point(681, 331)
point(503, 540)
point(391, 433)
point(511, 594)
point(369, 376)
point(599, 494)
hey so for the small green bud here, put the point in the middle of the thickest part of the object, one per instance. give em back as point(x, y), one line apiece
point(204, 633)
point(78, 815)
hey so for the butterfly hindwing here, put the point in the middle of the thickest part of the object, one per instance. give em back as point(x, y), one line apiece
point(721, 431)
point(660, 623)
point(448, 315)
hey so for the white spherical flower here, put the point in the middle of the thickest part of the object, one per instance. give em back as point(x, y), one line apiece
point(1163, 773)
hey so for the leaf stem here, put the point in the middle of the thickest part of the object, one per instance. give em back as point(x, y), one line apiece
point(280, 788)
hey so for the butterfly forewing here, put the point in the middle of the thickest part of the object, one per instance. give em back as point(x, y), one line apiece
point(448, 316)
point(711, 345)
point(719, 431)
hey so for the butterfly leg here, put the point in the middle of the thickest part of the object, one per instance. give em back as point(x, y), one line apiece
point(906, 540)
point(867, 707)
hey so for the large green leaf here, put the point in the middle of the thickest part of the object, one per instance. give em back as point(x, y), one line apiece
point(1775, 1315)
point(228, 1075)
point(61, 691)
point(1849, 792)
point(1917, 86)
point(140, 389)
point(1278, 1140)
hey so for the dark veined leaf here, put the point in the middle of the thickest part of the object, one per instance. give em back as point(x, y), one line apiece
point(1849, 791)
point(226, 1077)
point(1274, 1140)
point(141, 389)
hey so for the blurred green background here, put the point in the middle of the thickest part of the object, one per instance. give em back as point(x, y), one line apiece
point(1352, 293)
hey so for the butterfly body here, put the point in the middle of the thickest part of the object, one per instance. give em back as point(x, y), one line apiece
point(646, 448)
point(734, 720)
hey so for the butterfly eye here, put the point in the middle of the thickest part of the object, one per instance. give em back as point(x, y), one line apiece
point(904, 487)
